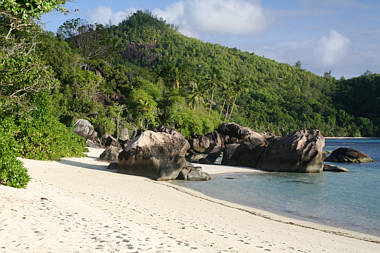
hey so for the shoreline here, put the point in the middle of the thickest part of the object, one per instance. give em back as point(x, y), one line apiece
point(76, 205)
point(280, 218)
point(272, 215)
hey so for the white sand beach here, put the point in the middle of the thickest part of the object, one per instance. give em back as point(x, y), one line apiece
point(75, 205)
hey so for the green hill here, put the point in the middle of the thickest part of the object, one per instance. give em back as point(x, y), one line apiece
point(160, 76)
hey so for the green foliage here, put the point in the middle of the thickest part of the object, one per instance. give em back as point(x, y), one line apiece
point(30, 9)
point(163, 75)
point(29, 124)
point(21, 75)
point(360, 97)
point(144, 108)
point(192, 124)
point(12, 172)
point(17, 15)
point(43, 137)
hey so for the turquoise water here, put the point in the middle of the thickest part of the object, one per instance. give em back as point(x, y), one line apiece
point(347, 200)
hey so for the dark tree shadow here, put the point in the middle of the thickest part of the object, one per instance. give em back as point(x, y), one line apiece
point(86, 165)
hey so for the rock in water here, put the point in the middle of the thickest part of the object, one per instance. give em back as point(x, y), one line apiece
point(348, 155)
point(300, 151)
point(242, 154)
point(85, 129)
point(193, 173)
point(334, 168)
point(157, 155)
point(110, 154)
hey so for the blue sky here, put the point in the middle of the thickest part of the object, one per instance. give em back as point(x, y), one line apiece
point(338, 35)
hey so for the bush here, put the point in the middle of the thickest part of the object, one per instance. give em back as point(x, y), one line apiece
point(41, 135)
point(12, 172)
point(194, 123)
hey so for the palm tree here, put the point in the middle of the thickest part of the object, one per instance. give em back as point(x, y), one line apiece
point(240, 85)
point(213, 82)
point(196, 96)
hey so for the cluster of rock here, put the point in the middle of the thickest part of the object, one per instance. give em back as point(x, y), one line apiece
point(163, 154)
point(159, 154)
point(300, 151)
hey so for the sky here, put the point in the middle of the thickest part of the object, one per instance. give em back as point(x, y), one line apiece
point(338, 35)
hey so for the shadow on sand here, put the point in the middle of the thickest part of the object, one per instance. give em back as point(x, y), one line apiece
point(85, 165)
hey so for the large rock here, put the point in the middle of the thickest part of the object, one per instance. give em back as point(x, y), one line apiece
point(300, 151)
point(157, 155)
point(85, 129)
point(111, 154)
point(210, 143)
point(236, 133)
point(242, 154)
point(348, 155)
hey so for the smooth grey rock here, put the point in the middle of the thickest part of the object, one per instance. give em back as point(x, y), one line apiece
point(193, 173)
point(300, 151)
point(198, 175)
point(157, 155)
point(242, 154)
point(84, 128)
point(111, 153)
point(348, 155)
point(236, 133)
point(210, 143)
point(334, 168)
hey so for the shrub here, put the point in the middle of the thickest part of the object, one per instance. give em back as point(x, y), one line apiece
point(12, 172)
point(41, 135)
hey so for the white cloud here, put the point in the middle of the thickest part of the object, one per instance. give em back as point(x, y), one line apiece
point(333, 48)
point(104, 15)
point(226, 17)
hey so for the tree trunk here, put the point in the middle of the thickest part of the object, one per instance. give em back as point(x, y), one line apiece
point(212, 101)
point(232, 109)
point(221, 111)
point(226, 115)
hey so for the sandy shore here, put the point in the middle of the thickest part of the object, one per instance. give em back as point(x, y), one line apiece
point(75, 205)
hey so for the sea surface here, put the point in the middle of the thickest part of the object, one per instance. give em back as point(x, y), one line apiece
point(346, 200)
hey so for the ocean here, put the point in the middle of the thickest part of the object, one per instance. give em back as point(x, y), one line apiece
point(345, 200)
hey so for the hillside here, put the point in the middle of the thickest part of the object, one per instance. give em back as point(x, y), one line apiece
point(160, 76)
point(143, 73)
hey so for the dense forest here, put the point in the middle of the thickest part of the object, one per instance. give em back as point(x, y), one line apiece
point(155, 75)
point(143, 73)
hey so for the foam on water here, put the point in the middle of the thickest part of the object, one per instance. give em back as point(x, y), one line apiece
point(347, 200)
